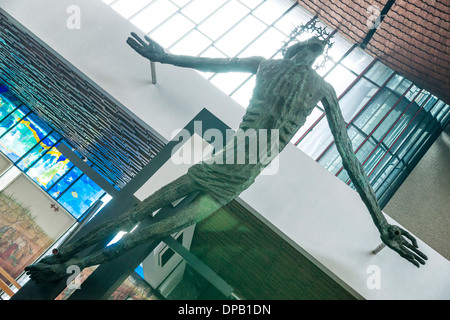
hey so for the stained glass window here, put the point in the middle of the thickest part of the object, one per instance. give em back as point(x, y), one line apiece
point(37, 151)
point(50, 167)
point(81, 196)
point(10, 121)
point(33, 147)
point(28, 132)
point(6, 107)
point(62, 184)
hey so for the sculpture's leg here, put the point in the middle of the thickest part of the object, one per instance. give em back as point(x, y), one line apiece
point(163, 197)
point(203, 206)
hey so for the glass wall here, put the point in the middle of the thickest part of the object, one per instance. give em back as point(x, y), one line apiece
point(32, 146)
point(391, 121)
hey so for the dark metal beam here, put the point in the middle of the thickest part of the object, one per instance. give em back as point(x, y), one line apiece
point(102, 283)
point(87, 170)
point(109, 276)
point(372, 31)
point(201, 268)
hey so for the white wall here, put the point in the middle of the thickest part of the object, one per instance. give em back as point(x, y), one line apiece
point(311, 208)
point(5, 163)
point(53, 223)
point(324, 218)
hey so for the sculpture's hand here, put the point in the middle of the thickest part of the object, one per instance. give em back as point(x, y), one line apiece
point(393, 237)
point(151, 50)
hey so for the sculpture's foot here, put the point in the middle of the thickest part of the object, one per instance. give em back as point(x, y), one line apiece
point(53, 259)
point(41, 272)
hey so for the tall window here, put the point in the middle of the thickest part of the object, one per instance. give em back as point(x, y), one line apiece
point(391, 121)
point(33, 148)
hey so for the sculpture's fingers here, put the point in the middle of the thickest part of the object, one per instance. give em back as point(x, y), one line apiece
point(136, 46)
point(142, 42)
point(408, 256)
point(420, 255)
point(416, 259)
point(410, 237)
point(413, 261)
point(133, 44)
point(412, 257)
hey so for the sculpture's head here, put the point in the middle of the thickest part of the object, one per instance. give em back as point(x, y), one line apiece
point(306, 52)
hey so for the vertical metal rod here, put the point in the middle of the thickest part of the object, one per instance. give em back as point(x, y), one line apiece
point(380, 247)
point(153, 67)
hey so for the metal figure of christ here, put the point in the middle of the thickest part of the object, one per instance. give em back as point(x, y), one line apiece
point(286, 91)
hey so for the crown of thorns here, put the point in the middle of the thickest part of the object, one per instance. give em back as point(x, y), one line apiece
point(317, 31)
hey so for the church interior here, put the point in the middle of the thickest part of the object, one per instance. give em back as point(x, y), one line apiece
point(89, 129)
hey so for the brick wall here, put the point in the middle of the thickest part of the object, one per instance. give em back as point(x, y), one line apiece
point(413, 38)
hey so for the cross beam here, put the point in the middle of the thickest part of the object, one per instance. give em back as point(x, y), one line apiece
point(372, 31)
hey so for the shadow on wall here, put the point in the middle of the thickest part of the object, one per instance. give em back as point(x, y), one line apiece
point(425, 194)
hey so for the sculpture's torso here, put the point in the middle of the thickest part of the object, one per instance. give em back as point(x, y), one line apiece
point(285, 94)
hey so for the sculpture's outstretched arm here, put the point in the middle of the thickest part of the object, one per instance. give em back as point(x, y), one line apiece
point(154, 52)
point(391, 235)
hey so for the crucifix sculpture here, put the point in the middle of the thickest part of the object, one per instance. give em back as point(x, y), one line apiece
point(286, 91)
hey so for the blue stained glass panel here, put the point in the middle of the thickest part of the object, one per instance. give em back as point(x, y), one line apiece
point(52, 166)
point(65, 182)
point(37, 151)
point(11, 120)
point(28, 132)
point(81, 196)
point(32, 145)
point(38, 126)
point(5, 107)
